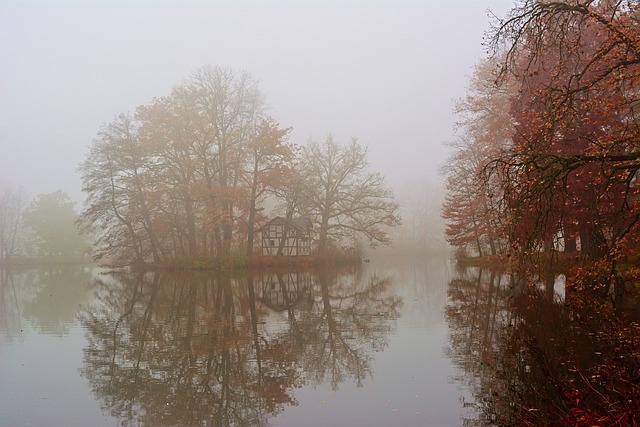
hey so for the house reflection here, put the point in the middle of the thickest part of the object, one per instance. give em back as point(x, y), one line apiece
point(285, 291)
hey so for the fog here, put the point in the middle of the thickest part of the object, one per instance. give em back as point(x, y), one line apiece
point(384, 71)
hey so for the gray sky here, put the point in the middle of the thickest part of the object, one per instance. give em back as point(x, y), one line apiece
point(384, 71)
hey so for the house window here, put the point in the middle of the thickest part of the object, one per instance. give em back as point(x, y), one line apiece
point(272, 242)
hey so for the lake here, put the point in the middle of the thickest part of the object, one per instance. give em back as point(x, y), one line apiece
point(383, 344)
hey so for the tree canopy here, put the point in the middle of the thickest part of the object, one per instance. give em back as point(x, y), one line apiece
point(343, 197)
point(185, 179)
point(567, 177)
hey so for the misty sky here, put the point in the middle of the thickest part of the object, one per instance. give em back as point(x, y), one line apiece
point(384, 71)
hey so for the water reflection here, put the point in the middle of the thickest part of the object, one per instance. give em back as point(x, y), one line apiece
point(9, 307)
point(199, 349)
point(48, 298)
point(528, 355)
point(477, 312)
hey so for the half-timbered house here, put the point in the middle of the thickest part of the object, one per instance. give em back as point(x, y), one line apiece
point(294, 237)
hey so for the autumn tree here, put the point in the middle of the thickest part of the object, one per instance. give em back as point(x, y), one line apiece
point(165, 185)
point(200, 135)
point(172, 133)
point(176, 182)
point(473, 204)
point(291, 197)
point(269, 166)
point(343, 197)
point(232, 106)
point(573, 165)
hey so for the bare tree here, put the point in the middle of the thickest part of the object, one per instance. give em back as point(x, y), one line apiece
point(115, 177)
point(343, 197)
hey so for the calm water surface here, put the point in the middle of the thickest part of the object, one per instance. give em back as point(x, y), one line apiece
point(381, 345)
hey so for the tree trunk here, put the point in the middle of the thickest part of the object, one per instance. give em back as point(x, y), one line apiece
point(570, 244)
point(570, 241)
point(592, 242)
point(252, 208)
point(492, 246)
point(322, 236)
point(250, 225)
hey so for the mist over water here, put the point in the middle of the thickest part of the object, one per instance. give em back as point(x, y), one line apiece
point(361, 346)
point(386, 72)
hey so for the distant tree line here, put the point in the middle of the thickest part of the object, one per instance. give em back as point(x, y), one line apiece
point(43, 229)
point(12, 205)
point(186, 178)
point(548, 151)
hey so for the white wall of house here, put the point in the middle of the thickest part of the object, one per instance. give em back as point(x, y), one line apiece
point(294, 244)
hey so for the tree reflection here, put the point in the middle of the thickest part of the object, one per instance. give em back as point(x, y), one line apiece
point(47, 297)
point(477, 313)
point(350, 319)
point(58, 291)
point(197, 349)
point(532, 358)
point(9, 306)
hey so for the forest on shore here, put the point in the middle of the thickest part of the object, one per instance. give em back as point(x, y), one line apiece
point(544, 178)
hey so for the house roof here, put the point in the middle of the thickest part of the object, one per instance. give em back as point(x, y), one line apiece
point(302, 223)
